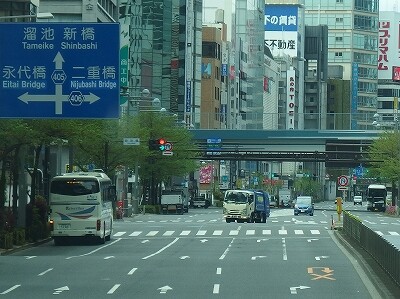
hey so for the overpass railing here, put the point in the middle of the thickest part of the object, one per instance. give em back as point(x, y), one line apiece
point(386, 254)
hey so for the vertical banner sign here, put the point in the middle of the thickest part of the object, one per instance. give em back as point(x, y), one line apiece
point(281, 26)
point(291, 98)
point(224, 60)
point(189, 62)
point(124, 57)
point(59, 70)
point(354, 96)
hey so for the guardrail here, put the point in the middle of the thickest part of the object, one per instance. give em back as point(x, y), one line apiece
point(385, 254)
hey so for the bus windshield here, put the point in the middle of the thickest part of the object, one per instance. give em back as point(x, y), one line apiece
point(74, 187)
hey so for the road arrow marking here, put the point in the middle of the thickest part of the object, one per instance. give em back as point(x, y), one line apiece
point(257, 257)
point(164, 289)
point(10, 289)
point(259, 240)
point(44, 272)
point(145, 241)
point(184, 257)
point(59, 290)
point(109, 257)
point(310, 240)
point(203, 240)
point(293, 290)
point(318, 258)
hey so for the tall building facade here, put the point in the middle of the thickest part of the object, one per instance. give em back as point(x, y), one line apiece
point(352, 44)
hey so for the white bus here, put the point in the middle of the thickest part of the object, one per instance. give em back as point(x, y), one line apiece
point(81, 206)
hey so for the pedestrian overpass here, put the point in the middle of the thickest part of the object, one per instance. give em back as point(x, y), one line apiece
point(345, 148)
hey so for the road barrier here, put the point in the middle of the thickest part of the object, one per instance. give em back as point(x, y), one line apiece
point(386, 254)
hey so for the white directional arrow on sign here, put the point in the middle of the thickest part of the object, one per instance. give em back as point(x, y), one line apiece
point(26, 98)
point(59, 290)
point(257, 257)
point(293, 290)
point(318, 258)
point(164, 289)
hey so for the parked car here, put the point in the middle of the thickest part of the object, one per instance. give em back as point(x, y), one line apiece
point(304, 205)
point(357, 200)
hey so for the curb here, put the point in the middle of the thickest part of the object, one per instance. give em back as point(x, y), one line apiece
point(23, 247)
point(382, 283)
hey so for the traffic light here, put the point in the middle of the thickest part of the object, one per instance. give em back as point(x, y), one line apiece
point(157, 144)
point(161, 144)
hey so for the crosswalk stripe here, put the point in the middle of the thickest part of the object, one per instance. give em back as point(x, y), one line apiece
point(135, 234)
point(169, 233)
point(119, 234)
point(217, 233)
point(250, 232)
point(201, 233)
point(315, 232)
point(283, 232)
point(394, 233)
point(152, 233)
point(233, 232)
point(185, 233)
point(266, 231)
point(379, 232)
point(298, 232)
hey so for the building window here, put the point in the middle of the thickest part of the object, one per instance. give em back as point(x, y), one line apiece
point(339, 20)
point(338, 54)
point(339, 1)
point(339, 38)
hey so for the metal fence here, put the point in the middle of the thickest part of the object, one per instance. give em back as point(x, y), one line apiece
point(387, 255)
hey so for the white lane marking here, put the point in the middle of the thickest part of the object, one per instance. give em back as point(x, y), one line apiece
point(93, 251)
point(284, 249)
point(109, 257)
point(315, 232)
point(10, 289)
point(250, 232)
point(298, 232)
point(283, 232)
point(161, 250)
point(113, 289)
point(233, 232)
point(226, 250)
point(30, 257)
point(219, 271)
point(44, 272)
point(217, 233)
point(169, 233)
point(119, 234)
point(152, 233)
point(144, 241)
point(132, 271)
point(185, 233)
point(394, 233)
point(216, 288)
point(200, 220)
point(266, 231)
point(201, 233)
point(135, 234)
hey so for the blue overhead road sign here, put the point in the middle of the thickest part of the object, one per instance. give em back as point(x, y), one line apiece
point(59, 70)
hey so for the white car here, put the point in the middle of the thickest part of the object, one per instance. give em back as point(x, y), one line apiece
point(357, 200)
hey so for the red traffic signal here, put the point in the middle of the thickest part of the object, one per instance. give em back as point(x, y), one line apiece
point(161, 144)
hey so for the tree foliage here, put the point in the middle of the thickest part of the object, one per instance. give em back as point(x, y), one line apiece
point(384, 154)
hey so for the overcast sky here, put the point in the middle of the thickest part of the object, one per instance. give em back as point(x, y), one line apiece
point(389, 5)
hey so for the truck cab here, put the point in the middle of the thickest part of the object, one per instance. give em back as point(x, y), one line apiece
point(246, 206)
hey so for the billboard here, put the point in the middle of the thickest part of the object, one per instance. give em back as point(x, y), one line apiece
point(388, 44)
point(281, 29)
point(59, 70)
